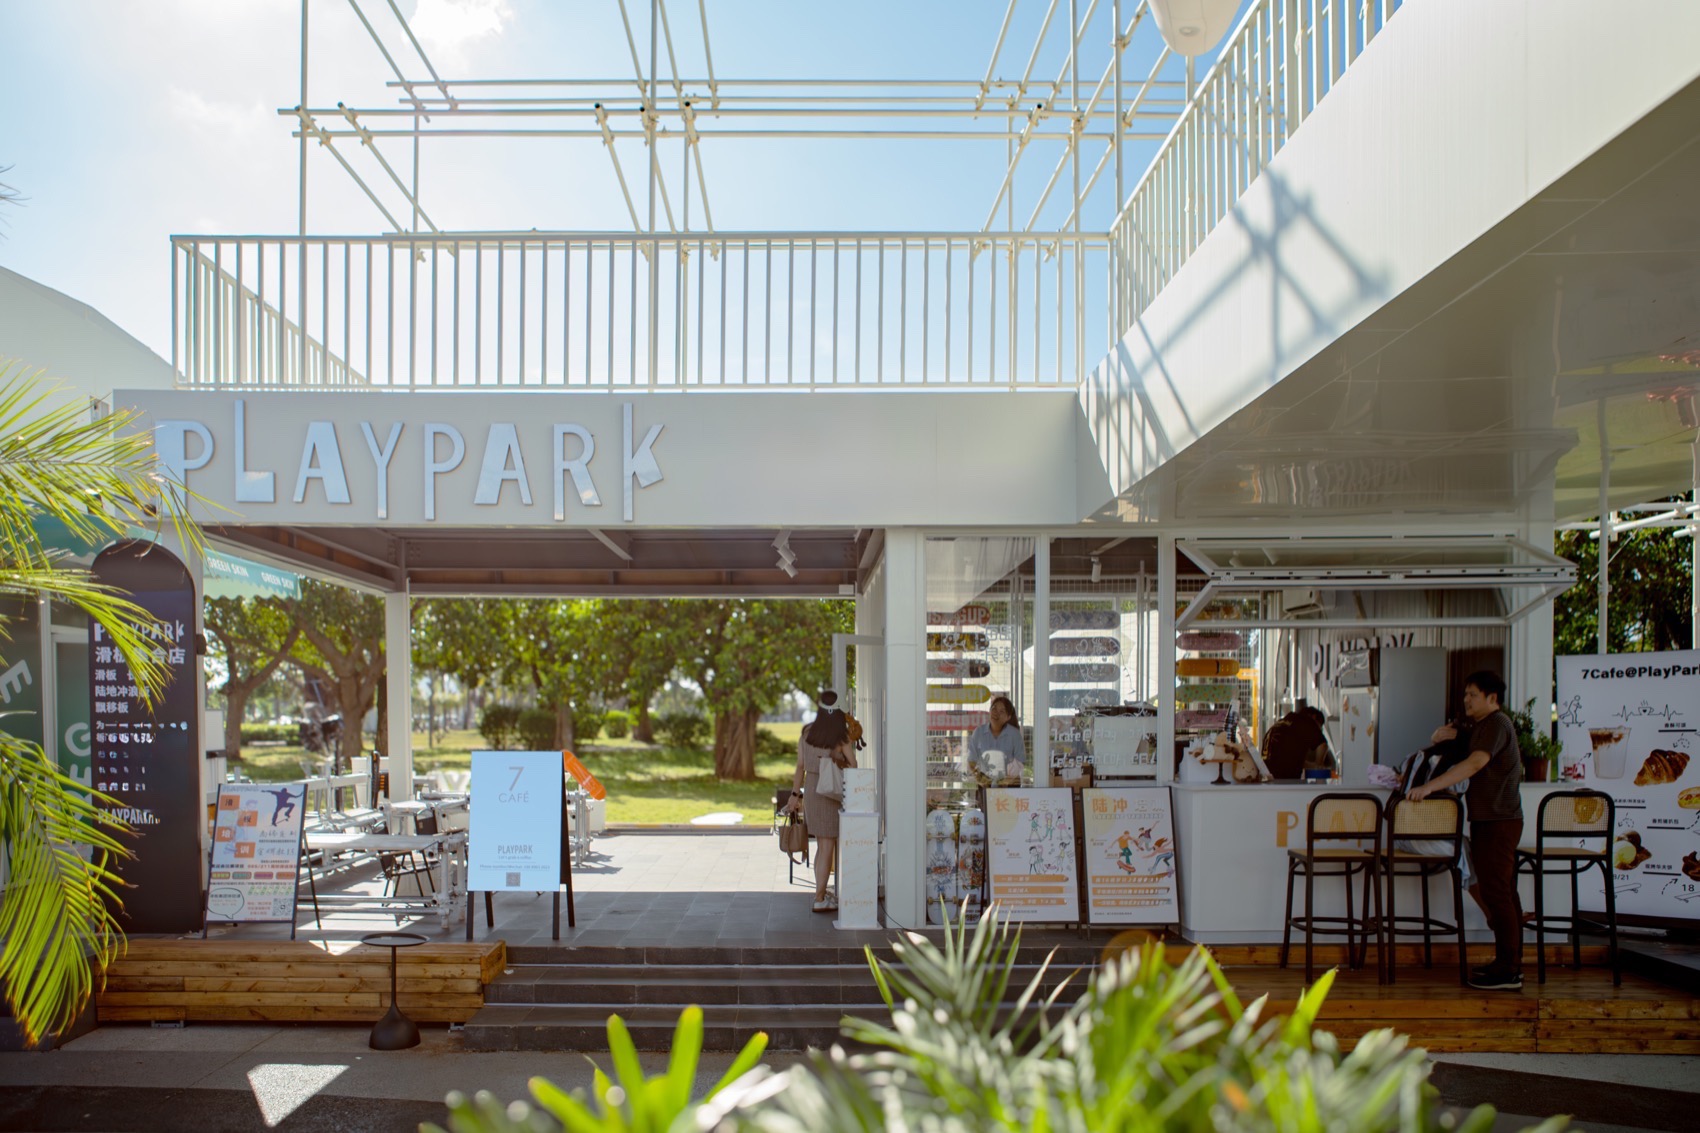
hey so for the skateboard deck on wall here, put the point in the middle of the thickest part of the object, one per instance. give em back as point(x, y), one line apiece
point(957, 721)
point(958, 694)
point(1085, 647)
point(958, 667)
point(967, 616)
point(1085, 697)
point(1096, 673)
point(1085, 619)
point(955, 642)
point(1210, 692)
point(1195, 642)
point(1207, 667)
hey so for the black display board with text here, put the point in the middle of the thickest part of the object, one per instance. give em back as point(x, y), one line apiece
point(149, 760)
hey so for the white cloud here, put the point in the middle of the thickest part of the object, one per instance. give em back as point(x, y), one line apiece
point(230, 120)
point(448, 28)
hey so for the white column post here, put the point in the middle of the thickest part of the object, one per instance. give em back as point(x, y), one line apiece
point(1041, 660)
point(1164, 693)
point(398, 692)
point(906, 716)
point(1530, 663)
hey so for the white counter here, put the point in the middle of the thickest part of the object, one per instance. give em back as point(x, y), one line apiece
point(1233, 843)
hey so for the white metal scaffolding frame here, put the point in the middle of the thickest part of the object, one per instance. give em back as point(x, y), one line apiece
point(1060, 251)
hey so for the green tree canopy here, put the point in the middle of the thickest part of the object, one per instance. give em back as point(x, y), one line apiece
point(253, 638)
point(341, 645)
point(746, 654)
point(1649, 607)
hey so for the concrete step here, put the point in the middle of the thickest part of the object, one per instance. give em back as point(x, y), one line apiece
point(584, 1027)
point(614, 986)
point(1067, 955)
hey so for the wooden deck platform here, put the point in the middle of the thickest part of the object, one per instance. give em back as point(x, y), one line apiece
point(1575, 1011)
point(295, 981)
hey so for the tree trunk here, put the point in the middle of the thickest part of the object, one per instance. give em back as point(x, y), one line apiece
point(235, 707)
point(643, 729)
point(565, 735)
point(735, 745)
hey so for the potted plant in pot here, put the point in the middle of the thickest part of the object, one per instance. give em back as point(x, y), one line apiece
point(1539, 747)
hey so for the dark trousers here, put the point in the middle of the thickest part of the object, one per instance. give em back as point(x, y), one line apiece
point(1493, 852)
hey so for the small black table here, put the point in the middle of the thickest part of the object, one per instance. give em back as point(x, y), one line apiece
point(394, 1031)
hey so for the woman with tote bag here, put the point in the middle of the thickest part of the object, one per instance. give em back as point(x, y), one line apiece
point(825, 742)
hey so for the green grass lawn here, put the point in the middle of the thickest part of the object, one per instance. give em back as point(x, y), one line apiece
point(645, 784)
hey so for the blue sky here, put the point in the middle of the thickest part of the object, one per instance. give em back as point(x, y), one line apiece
point(127, 122)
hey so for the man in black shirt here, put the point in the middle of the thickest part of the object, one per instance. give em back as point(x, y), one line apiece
point(1494, 801)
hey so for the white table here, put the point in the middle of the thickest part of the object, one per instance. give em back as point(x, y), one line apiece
point(449, 847)
point(444, 808)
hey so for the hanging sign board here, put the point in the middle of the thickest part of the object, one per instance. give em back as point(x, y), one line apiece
point(1030, 853)
point(148, 760)
point(1131, 876)
point(256, 847)
point(1628, 726)
point(514, 836)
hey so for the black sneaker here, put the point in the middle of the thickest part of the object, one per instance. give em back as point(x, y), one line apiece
point(1489, 980)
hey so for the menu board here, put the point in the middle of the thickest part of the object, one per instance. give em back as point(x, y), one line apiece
point(1627, 723)
point(514, 838)
point(1030, 855)
point(148, 761)
point(1131, 875)
point(255, 851)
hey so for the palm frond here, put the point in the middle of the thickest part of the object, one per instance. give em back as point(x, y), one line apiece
point(56, 916)
point(130, 627)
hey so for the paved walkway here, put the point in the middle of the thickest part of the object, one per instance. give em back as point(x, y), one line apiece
point(655, 890)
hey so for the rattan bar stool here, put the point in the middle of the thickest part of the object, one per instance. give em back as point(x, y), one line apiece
point(1424, 840)
point(1565, 824)
point(1337, 826)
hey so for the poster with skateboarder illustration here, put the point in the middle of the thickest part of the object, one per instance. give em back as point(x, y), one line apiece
point(1031, 853)
point(256, 845)
point(1131, 874)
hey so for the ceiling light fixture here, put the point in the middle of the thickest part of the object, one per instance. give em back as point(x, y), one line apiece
point(782, 544)
point(1097, 569)
point(789, 570)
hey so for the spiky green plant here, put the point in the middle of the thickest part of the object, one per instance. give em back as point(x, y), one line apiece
point(1148, 1046)
point(96, 477)
point(630, 1102)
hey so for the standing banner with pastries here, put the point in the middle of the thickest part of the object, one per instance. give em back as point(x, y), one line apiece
point(1628, 724)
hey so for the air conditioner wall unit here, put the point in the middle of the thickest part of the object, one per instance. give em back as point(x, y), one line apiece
point(1301, 601)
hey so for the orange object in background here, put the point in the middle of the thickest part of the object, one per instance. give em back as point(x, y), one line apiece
point(579, 771)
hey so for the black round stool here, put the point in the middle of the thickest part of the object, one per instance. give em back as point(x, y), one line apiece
point(394, 1031)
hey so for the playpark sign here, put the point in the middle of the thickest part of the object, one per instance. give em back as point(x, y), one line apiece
point(365, 466)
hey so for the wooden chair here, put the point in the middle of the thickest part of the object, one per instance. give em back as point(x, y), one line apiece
point(1437, 824)
point(1566, 818)
point(1337, 824)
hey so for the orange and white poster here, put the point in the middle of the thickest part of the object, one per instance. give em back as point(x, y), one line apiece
point(1031, 860)
point(255, 852)
point(1131, 876)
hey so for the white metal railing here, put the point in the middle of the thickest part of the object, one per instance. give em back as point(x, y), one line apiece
point(1283, 59)
point(601, 310)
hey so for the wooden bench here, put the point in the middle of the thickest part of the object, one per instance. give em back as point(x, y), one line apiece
point(294, 981)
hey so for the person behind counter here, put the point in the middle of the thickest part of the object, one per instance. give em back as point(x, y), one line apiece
point(1296, 743)
point(993, 746)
